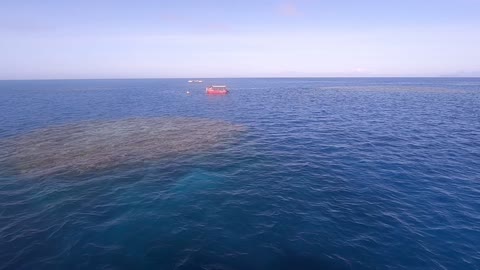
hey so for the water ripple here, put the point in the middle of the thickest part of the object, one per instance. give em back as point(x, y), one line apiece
point(327, 174)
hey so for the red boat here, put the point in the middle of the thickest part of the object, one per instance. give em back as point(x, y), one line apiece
point(217, 90)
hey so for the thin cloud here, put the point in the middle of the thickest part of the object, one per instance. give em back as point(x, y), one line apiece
point(289, 9)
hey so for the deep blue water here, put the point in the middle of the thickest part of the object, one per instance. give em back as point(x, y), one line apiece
point(330, 174)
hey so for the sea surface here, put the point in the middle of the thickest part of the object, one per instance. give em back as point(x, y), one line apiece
point(330, 173)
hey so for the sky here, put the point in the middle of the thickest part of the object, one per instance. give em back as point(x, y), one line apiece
point(66, 39)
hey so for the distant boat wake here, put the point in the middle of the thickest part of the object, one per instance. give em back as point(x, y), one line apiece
point(94, 145)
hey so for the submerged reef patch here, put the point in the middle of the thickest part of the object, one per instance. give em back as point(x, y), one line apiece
point(93, 145)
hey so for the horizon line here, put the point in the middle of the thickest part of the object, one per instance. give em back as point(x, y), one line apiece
point(260, 77)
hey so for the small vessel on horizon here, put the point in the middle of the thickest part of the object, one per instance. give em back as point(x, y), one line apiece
point(216, 90)
point(195, 81)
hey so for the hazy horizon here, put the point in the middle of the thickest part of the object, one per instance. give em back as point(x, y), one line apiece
point(215, 39)
point(258, 77)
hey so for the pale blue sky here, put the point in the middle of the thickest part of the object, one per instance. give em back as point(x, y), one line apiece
point(263, 38)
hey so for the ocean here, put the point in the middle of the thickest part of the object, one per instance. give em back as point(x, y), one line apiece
point(293, 173)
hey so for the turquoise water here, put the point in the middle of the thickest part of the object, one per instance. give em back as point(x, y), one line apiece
point(328, 174)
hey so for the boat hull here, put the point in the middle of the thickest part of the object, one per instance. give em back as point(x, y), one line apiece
point(216, 91)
